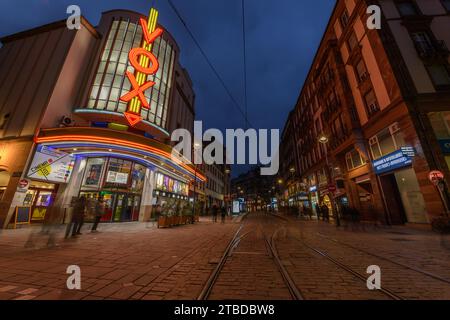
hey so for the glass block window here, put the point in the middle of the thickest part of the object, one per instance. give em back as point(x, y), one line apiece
point(111, 82)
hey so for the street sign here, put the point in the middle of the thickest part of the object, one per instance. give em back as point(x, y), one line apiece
point(23, 185)
point(436, 176)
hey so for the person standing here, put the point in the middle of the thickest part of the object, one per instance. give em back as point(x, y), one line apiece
point(325, 212)
point(223, 213)
point(99, 212)
point(78, 216)
point(214, 213)
point(318, 211)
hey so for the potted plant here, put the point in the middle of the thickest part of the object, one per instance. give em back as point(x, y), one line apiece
point(164, 219)
point(187, 213)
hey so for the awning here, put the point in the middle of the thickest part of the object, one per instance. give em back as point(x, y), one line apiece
point(88, 141)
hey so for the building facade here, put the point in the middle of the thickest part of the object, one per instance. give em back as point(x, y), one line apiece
point(64, 131)
point(371, 117)
point(254, 191)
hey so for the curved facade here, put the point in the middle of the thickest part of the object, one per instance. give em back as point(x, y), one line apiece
point(77, 141)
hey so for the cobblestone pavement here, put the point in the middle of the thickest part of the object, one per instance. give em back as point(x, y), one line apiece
point(139, 261)
point(250, 272)
point(403, 254)
point(122, 261)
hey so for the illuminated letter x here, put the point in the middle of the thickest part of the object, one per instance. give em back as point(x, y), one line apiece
point(137, 90)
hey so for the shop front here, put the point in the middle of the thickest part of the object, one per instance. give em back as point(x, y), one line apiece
point(401, 191)
point(170, 193)
point(119, 182)
point(128, 171)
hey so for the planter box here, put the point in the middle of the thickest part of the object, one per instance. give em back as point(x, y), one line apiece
point(197, 218)
point(184, 219)
point(163, 222)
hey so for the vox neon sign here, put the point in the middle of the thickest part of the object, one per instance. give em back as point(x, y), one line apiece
point(145, 64)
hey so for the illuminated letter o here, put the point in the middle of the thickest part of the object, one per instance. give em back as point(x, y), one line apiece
point(135, 53)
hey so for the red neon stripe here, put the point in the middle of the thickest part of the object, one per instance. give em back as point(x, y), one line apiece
point(120, 143)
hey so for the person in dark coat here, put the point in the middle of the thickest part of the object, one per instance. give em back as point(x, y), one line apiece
point(215, 212)
point(325, 212)
point(223, 213)
point(78, 216)
point(318, 211)
point(99, 212)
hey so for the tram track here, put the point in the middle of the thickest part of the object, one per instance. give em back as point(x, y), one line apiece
point(271, 250)
point(387, 292)
point(413, 268)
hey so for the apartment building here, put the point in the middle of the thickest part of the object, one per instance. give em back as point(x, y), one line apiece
point(371, 119)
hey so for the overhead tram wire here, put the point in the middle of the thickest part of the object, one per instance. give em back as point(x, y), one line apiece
point(216, 73)
point(245, 64)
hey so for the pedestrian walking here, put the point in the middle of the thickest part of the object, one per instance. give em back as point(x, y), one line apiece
point(309, 212)
point(78, 216)
point(223, 213)
point(99, 212)
point(214, 210)
point(318, 211)
point(325, 212)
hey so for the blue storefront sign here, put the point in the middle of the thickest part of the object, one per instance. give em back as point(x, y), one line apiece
point(445, 145)
point(398, 159)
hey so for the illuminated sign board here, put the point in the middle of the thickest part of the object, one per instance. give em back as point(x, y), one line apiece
point(51, 165)
point(145, 64)
point(395, 160)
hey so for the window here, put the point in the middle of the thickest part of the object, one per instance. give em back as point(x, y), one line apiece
point(407, 8)
point(93, 173)
point(439, 74)
point(361, 71)
point(371, 103)
point(111, 82)
point(386, 141)
point(352, 42)
point(354, 160)
point(118, 172)
point(344, 19)
point(423, 43)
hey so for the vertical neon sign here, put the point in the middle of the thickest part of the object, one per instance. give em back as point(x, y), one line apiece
point(145, 64)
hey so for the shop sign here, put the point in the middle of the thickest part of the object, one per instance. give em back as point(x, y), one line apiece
point(51, 165)
point(23, 185)
point(436, 177)
point(117, 177)
point(313, 189)
point(145, 64)
point(332, 188)
point(398, 159)
point(445, 145)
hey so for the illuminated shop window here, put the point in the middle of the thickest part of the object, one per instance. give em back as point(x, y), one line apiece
point(110, 82)
point(93, 173)
point(138, 177)
point(118, 172)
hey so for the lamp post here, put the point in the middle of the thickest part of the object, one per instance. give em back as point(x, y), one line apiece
point(195, 147)
point(323, 139)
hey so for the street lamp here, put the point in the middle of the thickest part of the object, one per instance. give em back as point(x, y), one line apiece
point(195, 147)
point(323, 139)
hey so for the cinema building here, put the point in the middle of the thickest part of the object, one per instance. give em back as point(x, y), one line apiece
point(65, 130)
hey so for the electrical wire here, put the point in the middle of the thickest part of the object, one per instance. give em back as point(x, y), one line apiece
point(245, 63)
point(216, 73)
